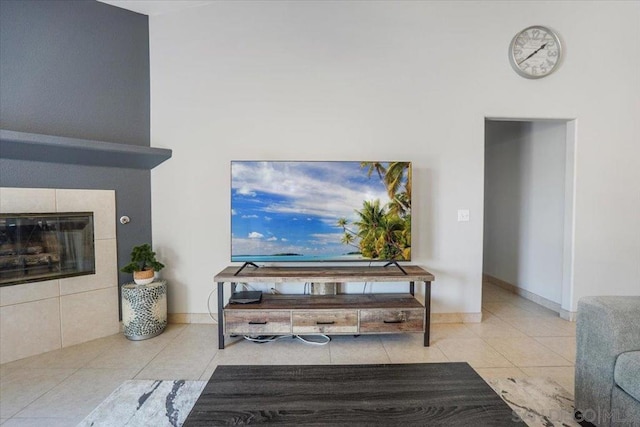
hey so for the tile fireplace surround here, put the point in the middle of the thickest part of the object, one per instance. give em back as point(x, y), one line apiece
point(42, 316)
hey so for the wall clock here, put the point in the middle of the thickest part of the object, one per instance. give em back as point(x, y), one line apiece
point(535, 52)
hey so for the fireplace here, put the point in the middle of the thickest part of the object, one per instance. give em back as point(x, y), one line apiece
point(45, 246)
point(38, 315)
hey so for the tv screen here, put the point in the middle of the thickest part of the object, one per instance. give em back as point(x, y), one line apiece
point(294, 211)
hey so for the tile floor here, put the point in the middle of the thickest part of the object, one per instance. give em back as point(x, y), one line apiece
point(517, 338)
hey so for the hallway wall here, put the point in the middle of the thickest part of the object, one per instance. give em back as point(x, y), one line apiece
point(524, 205)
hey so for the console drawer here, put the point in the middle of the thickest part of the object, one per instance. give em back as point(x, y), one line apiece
point(256, 322)
point(325, 322)
point(392, 320)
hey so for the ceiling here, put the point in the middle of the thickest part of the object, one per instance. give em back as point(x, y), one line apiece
point(156, 7)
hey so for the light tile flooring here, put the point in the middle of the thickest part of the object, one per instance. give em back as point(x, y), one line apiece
point(517, 338)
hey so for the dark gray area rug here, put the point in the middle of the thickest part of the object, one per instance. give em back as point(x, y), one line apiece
point(349, 395)
point(538, 401)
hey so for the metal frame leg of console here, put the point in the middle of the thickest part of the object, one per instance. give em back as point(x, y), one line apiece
point(427, 306)
point(221, 315)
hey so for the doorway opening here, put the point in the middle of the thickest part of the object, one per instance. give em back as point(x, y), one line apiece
point(528, 209)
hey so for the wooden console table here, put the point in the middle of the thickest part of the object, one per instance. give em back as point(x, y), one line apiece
point(341, 314)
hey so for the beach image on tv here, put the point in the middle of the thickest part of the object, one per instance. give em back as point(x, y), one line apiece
point(285, 211)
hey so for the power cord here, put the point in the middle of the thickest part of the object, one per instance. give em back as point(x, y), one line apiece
point(364, 288)
point(247, 287)
point(306, 341)
point(215, 288)
point(265, 339)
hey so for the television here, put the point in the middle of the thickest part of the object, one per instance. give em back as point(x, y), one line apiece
point(312, 211)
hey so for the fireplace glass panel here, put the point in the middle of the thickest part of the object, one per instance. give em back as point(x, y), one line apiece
point(36, 247)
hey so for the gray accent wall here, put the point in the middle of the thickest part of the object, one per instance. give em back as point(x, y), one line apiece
point(74, 68)
point(78, 69)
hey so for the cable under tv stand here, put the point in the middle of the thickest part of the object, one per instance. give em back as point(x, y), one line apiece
point(341, 314)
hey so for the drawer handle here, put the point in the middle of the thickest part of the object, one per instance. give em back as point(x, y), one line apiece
point(325, 323)
point(251, 322)
point(393, 321)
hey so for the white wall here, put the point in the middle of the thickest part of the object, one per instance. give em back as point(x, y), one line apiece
point(524, 205)
point(405, 80)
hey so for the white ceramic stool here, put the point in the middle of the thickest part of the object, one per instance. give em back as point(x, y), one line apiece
point(144, 310)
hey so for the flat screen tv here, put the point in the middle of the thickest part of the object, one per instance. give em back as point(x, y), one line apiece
point(297, 211)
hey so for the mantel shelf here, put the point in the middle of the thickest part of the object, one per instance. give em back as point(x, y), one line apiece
point(57, 149)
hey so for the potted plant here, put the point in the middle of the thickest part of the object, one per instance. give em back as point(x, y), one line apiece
point(143, 264)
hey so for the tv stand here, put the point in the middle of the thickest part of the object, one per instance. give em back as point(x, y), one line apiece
point(397, 265)
point(341, 314)
point(245, 265)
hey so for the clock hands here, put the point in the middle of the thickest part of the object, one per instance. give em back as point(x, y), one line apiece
point(533, 53)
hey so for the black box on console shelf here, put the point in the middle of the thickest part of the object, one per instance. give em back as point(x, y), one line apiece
point(245, 297)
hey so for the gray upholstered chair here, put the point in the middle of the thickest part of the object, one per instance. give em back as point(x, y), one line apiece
point(607, 383)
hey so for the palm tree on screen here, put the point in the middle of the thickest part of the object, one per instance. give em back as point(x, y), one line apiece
point(384, 232)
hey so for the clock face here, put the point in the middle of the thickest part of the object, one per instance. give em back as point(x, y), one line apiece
point(535, 52)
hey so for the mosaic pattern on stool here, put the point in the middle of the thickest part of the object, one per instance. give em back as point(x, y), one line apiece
point(144, 309)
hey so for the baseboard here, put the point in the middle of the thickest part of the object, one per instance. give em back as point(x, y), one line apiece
point(571, 316)
point(435, 318)
point(551, 305)
point(191, 318)
point(456, 317)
